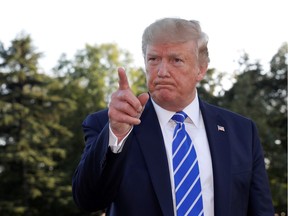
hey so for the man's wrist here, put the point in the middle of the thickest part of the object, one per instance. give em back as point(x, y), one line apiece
point(116, 143)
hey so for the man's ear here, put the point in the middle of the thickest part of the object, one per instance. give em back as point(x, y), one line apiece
point(202, 72)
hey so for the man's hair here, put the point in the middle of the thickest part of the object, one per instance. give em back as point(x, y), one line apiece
point(176, 30)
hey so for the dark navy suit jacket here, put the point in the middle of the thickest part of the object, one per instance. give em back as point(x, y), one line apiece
point(136, 181)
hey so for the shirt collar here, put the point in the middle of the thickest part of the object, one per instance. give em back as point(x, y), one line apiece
point(192, 110)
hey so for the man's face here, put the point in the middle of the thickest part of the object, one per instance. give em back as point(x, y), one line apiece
point(172, 72)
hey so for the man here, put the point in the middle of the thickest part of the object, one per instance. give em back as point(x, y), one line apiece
point(129, 165)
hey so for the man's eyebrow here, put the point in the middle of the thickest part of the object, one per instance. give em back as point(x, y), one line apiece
point(175, 55)
point(152, 54)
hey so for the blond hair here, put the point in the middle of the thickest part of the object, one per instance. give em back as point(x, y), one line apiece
point(176, 30)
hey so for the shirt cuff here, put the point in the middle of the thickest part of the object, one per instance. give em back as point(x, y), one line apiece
point(113, 141)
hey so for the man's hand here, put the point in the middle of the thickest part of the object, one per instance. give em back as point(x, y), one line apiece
point(125, 108)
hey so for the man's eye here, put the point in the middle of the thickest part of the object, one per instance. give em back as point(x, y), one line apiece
point(177, 61)
point(152, 59)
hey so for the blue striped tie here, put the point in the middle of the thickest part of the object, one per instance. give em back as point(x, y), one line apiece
point(186, 171)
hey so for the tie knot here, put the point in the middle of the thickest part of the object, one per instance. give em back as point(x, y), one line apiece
point(179, 117)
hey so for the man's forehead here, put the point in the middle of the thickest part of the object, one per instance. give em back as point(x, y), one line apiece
point(173, 48)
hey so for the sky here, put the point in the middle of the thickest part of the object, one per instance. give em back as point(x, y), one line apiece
point(257, 27)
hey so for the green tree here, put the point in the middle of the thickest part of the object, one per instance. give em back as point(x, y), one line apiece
point(88, 80)
point(31, 136)
point(210, 88)
point(247, 95)
point(274, 86)
point(137, 80)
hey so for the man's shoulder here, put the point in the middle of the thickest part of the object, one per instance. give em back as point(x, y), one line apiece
point(222, 111)
point(100, 113)
point(98, 117)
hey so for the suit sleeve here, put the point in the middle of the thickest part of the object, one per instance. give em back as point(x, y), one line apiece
point(260, 202)
point(96, 178)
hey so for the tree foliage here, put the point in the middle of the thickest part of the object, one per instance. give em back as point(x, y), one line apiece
point(275, 138)
point(31, 136)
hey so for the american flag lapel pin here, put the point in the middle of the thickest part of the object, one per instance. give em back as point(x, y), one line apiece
point(220, 128)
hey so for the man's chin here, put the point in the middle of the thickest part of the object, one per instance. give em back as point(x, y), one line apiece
point(164, 98)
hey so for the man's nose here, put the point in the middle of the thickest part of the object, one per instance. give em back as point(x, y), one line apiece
point(163, 70)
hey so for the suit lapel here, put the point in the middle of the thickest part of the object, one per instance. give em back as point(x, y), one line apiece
point(151, 143)
point(217, 133)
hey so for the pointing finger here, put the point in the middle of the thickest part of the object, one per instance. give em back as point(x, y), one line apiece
point(123, 81)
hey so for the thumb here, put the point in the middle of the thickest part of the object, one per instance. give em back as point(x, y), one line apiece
point(143, 98)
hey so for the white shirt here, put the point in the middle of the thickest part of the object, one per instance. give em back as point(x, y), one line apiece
point(195, 128)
